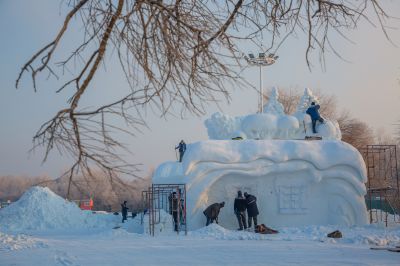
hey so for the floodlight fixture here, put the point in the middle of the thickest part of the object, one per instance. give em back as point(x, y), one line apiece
point(261, 61)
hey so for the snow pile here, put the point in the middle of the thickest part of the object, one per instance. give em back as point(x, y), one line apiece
point(41, 209)
point(18, 242)
point(273, 123)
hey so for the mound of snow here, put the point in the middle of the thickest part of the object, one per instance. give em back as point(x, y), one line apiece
point(41, 209)
point(18, 242)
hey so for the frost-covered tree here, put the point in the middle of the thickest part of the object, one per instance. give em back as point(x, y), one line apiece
point(176, 56)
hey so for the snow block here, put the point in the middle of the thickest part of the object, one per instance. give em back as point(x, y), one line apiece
point(296, 182)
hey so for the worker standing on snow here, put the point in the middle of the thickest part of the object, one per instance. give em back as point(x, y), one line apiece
point(252, 210)
point(315, 116)
point(182, 148)
point(124, 211)
point(173, 208)
point(212, 212)
point(239, 208)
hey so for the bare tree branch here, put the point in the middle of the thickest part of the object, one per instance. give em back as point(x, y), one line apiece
point(177, 56)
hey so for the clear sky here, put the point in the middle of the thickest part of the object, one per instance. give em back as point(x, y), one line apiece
point(368, 86)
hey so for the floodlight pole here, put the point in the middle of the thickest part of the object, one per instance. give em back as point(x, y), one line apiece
point(261, 92)
point(260, 61)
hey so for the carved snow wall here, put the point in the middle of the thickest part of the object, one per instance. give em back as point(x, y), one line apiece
point(296, 182)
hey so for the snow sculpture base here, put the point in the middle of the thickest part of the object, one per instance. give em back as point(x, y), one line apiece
point(296, 182)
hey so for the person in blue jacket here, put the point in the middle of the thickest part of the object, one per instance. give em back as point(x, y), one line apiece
point(315, 116)
point(182, 148)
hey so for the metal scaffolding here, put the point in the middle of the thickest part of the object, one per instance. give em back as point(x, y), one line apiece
point(170, 198)
point(383, 191)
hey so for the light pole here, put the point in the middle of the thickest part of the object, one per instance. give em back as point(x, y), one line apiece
point(261, 61)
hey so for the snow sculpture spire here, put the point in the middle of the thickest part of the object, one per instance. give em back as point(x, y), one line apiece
point(274, 106)
point(306, 101)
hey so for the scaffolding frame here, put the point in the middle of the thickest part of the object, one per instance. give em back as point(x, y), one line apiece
point(383, 183)
point(160, 197)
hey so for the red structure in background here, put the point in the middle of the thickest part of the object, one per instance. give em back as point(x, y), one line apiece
point(85, 204)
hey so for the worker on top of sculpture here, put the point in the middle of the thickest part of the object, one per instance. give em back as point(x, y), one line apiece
point(315, 116)
point(182, 148)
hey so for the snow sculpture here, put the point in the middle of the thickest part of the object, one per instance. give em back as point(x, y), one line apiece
point(296, 182)
point(259, 126)
point(288, 126)
point(274, 106)
point(329, 130)
point(221, 126)
point(305, 101)
point(273, 123)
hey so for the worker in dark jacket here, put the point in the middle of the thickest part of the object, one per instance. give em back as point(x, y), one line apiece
point(173, 208)
point(239, 208)
point(315, 116)
point(124, 211)
point(181, 148)
point(212, 212)
point(252, 210)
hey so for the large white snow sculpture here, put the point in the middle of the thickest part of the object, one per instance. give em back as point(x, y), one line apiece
point(296, 182)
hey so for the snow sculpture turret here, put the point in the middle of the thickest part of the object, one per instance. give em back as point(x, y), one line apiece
point(273, 123)
point(221, 126)
point(305, 101)
point(273, 105)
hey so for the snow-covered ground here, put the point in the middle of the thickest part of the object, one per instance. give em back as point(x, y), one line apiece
point(30, 242)
point(207, 246)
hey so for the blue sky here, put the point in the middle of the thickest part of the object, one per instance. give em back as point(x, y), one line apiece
point(368, 86)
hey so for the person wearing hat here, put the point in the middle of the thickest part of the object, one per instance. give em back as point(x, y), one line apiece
point(252, 210)
point(315, 116)
point(182, 148)
point(239, 208)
